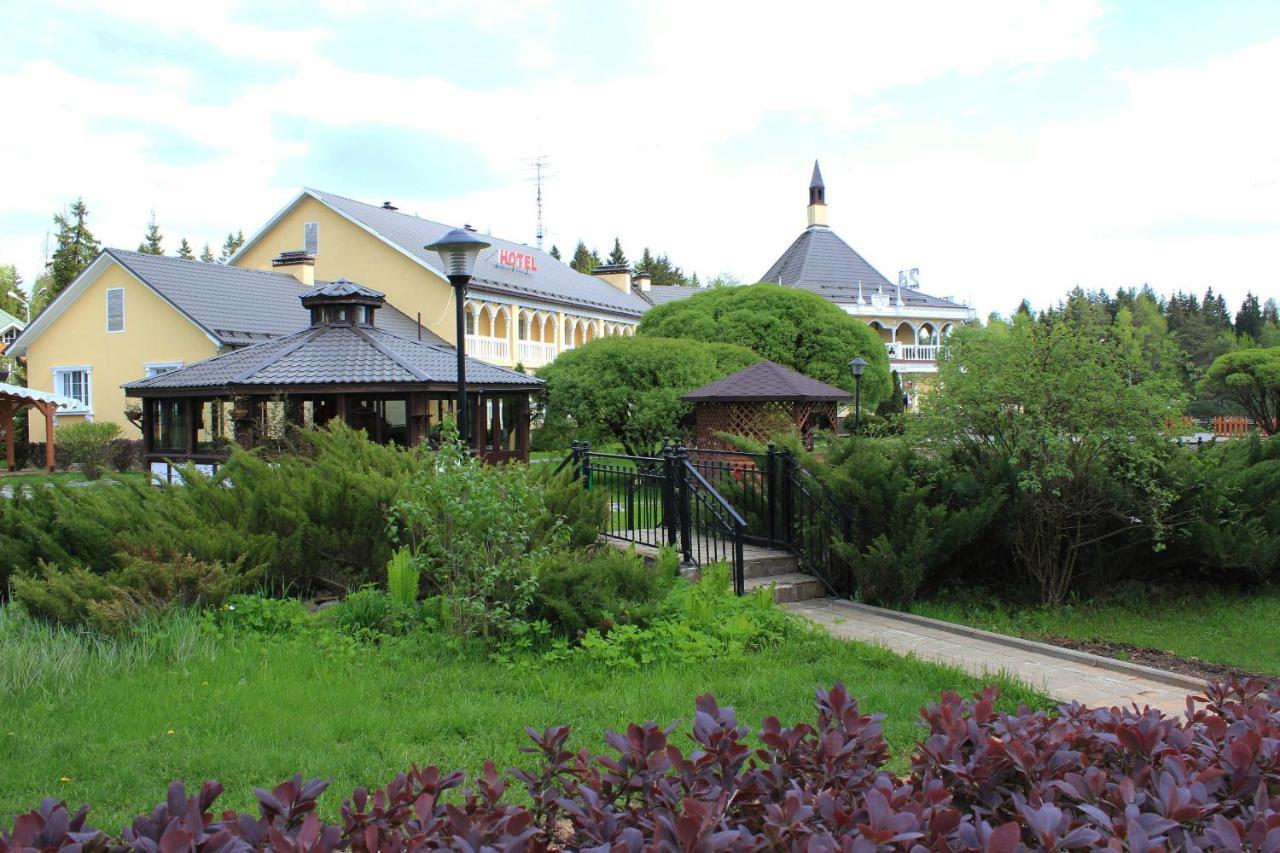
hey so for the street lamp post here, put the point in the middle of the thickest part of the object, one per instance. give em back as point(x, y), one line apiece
point(458, 251)
point(857, 367)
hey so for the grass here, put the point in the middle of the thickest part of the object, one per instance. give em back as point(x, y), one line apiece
point(253, 710)
point(1232, 628)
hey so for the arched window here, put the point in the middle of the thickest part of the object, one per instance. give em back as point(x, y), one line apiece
point(471, 320)
point(522, 326)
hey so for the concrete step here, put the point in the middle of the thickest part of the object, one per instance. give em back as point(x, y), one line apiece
point(793, 586)
point(769, 564)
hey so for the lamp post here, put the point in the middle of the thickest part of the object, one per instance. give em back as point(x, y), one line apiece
point(857, 367)
point(458, 251)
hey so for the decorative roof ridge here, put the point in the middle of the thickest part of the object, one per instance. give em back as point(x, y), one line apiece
point(376, 344)
point(305, 336)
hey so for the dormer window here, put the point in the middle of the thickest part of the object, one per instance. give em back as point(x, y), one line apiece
point(342, 302)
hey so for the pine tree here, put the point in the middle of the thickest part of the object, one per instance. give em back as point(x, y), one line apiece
point(152, 243)
point(1271, 313)
point(555, 252)
point(617, 256)
point(1214, 309)
point(584, 261)
point(184, 251)
point(230, 246)
point(207, 254)
point(11, 296)
point(1249, 318)
point(76, 248)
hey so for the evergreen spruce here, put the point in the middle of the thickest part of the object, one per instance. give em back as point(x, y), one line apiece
point(152, 243)
point(184, 250)
point(207, 254)
point(76, 248)
point(11, 297)
point(231, 245)
point(584, 261)
point(555, 252)
point(1249, 318)
point(617, 256)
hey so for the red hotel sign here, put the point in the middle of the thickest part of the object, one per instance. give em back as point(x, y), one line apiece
point(518, 260)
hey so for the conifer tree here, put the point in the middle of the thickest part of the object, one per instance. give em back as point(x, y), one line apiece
point(1271, 312)
point(184, 251)
point(11, 297)
point(76, 248)
point(555, 252)
point(1249, 318)
point(152, 243)
point(207, 254)
point(231, 245)
point(617, 256)
point(584, 261)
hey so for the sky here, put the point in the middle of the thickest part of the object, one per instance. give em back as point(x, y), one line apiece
point(1008, 149)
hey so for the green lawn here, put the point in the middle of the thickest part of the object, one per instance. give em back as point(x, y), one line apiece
point(1236, 629)
point(254, 710)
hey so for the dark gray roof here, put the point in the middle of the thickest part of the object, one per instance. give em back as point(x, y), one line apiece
point(816, 180)
point(820, 261)
point(239, 306)
point(766, 380)
point(661, 294)
point(553, 281)
point(333, 355)
point(341, 287)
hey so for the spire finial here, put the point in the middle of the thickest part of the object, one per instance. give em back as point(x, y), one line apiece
point(816, 181)
point(817, 198)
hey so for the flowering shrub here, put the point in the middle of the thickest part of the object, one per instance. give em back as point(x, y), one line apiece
point(982, 780)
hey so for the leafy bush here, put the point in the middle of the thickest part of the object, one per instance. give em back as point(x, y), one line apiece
point(582, 513)
point(145, 583)
point(476, 532)
point(369, 613)
point(87, 444)
point(125, 454)
point(610, 587)
point(982, 780)
point(262, 615)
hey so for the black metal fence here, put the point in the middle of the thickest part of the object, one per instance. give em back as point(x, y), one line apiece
point(708, 503)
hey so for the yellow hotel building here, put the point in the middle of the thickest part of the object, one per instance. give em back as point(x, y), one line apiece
point(130, 315)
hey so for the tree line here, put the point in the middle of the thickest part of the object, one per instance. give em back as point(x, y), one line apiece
point(664, 272)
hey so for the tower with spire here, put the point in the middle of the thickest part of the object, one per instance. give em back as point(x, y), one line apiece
point(817, 198)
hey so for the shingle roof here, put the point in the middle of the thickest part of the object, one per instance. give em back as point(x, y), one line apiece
point(7, 320)
point(820, 261)
point(32, 395)
point(661, 294)
point(333, 355)
point(553, 281)
point(766, 380)
point(239, 306)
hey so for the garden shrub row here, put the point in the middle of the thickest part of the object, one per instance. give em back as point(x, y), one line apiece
point(1122, 779)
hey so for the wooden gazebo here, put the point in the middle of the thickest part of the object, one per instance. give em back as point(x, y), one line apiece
point(15, 398)
point(762, 401)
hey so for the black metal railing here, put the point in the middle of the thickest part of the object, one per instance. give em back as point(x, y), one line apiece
point(708, 503)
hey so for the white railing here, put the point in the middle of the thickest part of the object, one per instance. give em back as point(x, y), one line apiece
point(535, 353)
point(489, 349)
point(913, 352)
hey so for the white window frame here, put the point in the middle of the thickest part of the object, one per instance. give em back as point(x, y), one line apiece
point(305, 226)
point(107, 311)
point(87, 370)
point(155, 368)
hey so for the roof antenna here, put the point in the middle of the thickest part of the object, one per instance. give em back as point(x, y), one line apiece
point(539, 164)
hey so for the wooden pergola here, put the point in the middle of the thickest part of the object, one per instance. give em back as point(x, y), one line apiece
point(761, 402)
point(15, 398)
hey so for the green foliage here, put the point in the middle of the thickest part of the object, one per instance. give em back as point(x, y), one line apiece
point(230, 246)
point(75, 249)
point(206, 254)
point(628, 389)
point(1062, 409)
point(476, 532)
point(370, 614)
point(911, 514)
point(1233, 498)
point(403, 576)
point(88, 444)
point(262, 615)
point(11, 296)
point(1251, 379)
point(611, 587)
point(153, 241)
point(616, 255)
point(145, 583)
point(580, 512)
point(663, 272)
point(185, 252)
point(584, 261)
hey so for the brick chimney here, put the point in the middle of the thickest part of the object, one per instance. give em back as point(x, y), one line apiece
point(643, 281)
point(619, 275)
point(298, 263)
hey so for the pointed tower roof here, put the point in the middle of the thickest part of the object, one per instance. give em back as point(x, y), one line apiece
point(816, 180)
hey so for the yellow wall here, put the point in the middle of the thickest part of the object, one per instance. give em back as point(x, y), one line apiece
point(153, 332)
point(348, 251)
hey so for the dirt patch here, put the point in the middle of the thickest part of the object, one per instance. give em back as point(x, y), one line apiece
point(1160, 660)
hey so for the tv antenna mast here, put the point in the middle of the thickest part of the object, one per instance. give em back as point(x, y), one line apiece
point(540, 164)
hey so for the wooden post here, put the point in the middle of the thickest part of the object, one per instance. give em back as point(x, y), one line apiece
point(522, 428)
point(148, 427)
point(189, 421)
point(49, 451)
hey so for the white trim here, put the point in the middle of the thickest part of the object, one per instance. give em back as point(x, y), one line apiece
point(87, 369)
point(78, 286)
point(149, 366)
point(107, 309)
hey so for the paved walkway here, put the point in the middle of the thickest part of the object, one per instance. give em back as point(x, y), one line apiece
point(1063, 674)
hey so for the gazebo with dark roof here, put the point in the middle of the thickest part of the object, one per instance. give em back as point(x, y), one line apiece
point(762, 401)
point(398, 389)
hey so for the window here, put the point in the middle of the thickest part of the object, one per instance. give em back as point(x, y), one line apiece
point(115, 309)
point(155, 368)
point(471, 322)
point(73, 382)
point(10, 334)
point(311, 237)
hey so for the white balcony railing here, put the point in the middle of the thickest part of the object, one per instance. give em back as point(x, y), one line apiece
point(535, 353)
point(489, 349)
point(913, 352)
